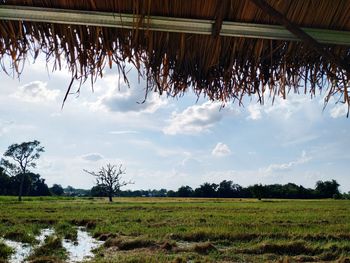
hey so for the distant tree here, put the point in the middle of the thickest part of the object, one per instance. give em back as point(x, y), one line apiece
point(258, 191)
point(57, 189)
point(185, 191)
point(5, 182)
point(327, 189)
point(157, 193)
point(98, 191)
point(37, 186)
point(171, 193)
point(33, 185)
point(109, 179)
point(225, 189)
point(71, 191)
point(228, 189)
point(206, 190)
point(346, 195)
point(162, 192)
point(24, 156)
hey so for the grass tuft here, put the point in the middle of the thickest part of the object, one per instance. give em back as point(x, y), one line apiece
point(67, 231)
point(204, 248)
point(5, 252)
point(89, 224)
point(168, 245)
point(19, 235)
point(129, 244)
point(52, 248)
point(104, 237)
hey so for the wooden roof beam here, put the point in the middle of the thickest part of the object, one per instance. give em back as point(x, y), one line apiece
point(167, 24)
point(302, 34)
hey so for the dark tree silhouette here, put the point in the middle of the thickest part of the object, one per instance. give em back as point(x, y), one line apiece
point(258, 191)
point(109, 179)
point(185, 191)
point(206, 190)
point(57, 189)
point(5, 182)
point(24, 156)
point(327, 189)
point(98, 191)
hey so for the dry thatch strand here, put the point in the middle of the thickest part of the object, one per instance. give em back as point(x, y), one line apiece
point(221, 68)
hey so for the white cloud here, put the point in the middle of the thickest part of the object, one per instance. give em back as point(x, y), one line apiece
point(254, 111)
point(196, 119)
point(340, 110)
point(92, 157)
point(285, 109)
point(36, 91)
point(287, 166)
point(126, 100)
point(221, 150)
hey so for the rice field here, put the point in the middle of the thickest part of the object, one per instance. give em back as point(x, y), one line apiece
point(182, 229)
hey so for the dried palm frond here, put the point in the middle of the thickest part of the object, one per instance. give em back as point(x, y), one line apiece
point(221, 68)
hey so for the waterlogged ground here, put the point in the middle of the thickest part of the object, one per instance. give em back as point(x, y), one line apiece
point(178, 230)
point(76, 250)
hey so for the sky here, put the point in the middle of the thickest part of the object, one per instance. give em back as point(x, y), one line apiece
point(170, 142)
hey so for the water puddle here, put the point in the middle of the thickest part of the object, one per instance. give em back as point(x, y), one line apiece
point(21, 250)
point(44, 233)
point(77, 251)
point(82, 249)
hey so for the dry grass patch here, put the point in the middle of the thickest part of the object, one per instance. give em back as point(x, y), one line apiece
point(204, 248)
point(124, 243)
point(168, 245)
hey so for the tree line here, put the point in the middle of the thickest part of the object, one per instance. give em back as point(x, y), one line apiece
point(16, 179)
point(34, 185)
point(228, 189)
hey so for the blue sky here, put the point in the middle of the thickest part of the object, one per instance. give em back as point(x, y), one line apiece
point(169, 142)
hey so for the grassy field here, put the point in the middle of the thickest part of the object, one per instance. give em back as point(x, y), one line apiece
point(185, 230)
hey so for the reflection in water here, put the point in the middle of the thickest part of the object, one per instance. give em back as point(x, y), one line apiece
point(77, 251)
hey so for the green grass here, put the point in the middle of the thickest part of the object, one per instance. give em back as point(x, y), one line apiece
point(197, 230)
point(5, 252)
point(51, 250)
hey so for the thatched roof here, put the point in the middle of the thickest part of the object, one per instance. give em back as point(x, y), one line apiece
point(221, 67)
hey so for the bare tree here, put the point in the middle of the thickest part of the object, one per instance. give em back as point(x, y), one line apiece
point(24, 155)
point(109, 179)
